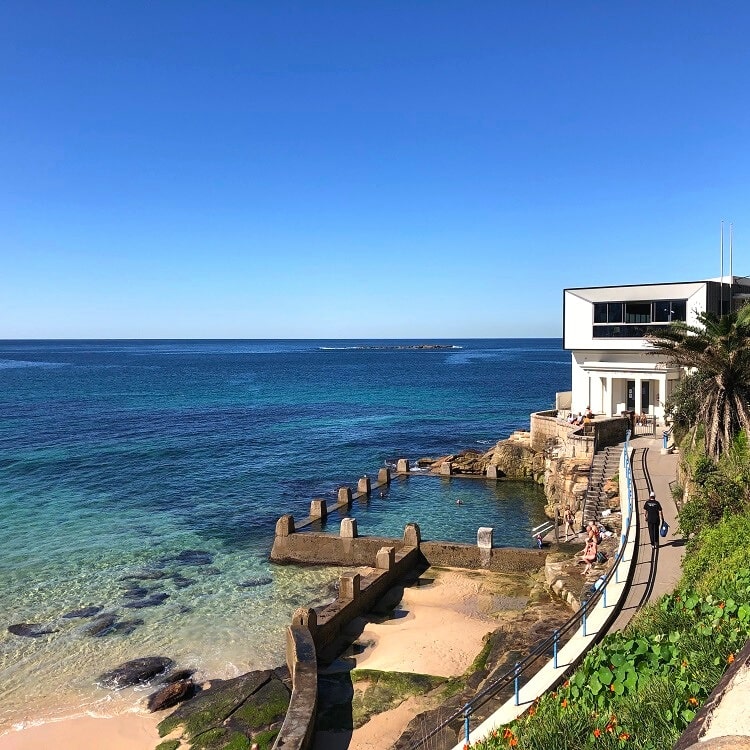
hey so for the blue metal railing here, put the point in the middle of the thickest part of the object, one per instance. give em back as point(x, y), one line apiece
point(550, 645)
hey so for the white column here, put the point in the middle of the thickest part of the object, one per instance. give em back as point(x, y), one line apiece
point(659, 410)
point(610, 400)
point(638, 405)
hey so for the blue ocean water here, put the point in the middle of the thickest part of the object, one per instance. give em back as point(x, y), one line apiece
point(116, 456)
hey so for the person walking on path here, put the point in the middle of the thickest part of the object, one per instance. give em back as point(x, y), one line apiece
point(654, 517)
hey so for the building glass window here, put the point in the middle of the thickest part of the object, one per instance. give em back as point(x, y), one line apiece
point(637, 312)
point(679, 309)
point(635, 319)
point(614, 312)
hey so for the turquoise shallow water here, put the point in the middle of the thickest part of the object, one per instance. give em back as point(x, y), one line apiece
point(115, 457)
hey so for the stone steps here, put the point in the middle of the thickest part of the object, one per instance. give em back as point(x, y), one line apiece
point(604, 465)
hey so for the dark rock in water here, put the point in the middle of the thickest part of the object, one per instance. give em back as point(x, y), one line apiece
point(181, 582)
point(136, 592)
point(170, 695)
point(179, 674)
point(253, 582)
point(126, 627)
point(30, 629)
point(153, 601)
point(89, 611)
point(145, 575)
point(211, 571)
point(101, 625)
point(184, 609)
point(135, 672)
point(194, 557)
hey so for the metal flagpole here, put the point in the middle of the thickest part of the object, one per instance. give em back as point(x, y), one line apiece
point(731, 272)
point(721, 247)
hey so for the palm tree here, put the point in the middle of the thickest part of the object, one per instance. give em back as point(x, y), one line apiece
point(718, 351)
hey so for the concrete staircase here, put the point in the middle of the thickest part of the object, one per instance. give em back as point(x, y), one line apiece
point(604, 465)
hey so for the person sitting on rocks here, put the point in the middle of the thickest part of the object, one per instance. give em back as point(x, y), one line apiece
point(592, 532)
point(588, 555)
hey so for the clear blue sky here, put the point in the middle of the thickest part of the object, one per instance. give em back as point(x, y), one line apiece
point(353, 169)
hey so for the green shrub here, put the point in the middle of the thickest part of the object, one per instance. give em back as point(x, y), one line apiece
point(669, 659)
point(718, 553)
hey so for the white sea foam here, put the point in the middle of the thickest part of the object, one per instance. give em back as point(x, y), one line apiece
point(7, 364)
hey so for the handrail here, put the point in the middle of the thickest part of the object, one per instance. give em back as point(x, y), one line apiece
point(551, 642)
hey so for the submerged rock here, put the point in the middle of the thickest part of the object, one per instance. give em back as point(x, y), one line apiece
point(153, 601)
point(181, 582)
point(145, 575)
point(170, 695)
point(101, 625)
point(253, 582)
point(194, 557)
point(135, 672)
point(136, 592)
point(126, 627)
point(30, 629)
point(89, 611)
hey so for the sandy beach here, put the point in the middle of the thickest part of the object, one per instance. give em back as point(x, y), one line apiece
point(438, 630)
point(127, 732)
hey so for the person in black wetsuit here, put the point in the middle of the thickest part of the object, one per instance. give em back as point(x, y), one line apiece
point(654, 517)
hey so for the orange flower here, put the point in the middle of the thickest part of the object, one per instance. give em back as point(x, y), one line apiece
point(693, 701)
point(624, 736)
point(532, 710)
point(507, 734)
point(564, 703)
point(566, 683)
point(610, 728)
point(612, 687)
point(597, 733)
point(730, 658)
point(684, 662)
point(721, 605)
point(513, 742)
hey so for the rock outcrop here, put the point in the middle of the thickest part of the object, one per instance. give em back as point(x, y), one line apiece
point(232, 713)
point(135, 672)
point(170, 695)
point(515, 458)
point(565, 483)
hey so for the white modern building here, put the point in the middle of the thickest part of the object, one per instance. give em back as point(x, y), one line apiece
point(604, 328)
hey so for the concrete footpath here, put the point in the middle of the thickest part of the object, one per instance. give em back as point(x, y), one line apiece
point(656, 572)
